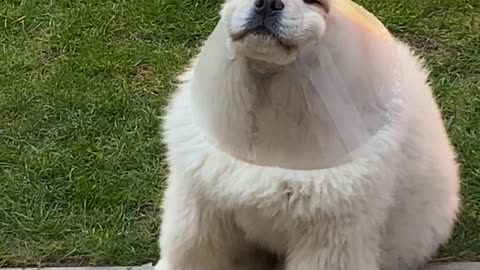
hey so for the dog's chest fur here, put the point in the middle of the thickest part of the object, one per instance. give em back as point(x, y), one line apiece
point(270, 232)
point(268, 202)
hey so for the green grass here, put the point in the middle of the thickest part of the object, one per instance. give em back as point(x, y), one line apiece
point(82, 86)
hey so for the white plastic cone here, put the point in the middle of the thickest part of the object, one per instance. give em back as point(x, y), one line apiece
point(319, 111)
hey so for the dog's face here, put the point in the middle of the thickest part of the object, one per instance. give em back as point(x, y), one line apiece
point(273, 31)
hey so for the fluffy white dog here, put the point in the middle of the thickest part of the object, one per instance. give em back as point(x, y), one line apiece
point(269, 167)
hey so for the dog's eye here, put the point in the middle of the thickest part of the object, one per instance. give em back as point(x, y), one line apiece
point(321, 3)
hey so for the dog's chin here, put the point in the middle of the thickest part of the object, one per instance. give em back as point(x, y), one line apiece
point(265, 48)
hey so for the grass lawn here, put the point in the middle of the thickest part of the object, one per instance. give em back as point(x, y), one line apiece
point(82, 86)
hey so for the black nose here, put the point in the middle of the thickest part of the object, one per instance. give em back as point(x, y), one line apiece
point(268, 7)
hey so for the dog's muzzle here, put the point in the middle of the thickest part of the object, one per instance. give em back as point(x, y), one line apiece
point(265, 19)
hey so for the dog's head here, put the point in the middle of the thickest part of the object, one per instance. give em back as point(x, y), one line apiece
point(273, 31)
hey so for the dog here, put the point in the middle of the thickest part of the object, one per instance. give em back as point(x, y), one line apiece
point(269, 167)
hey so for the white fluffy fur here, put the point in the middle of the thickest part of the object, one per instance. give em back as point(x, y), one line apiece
point(389, 209)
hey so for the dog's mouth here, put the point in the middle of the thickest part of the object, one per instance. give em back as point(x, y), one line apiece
point(262, 32)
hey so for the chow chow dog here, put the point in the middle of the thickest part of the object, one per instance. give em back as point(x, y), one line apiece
point(270, 167)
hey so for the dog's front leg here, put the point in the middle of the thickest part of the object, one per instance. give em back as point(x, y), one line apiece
point(195, 234)
point(335, 246)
